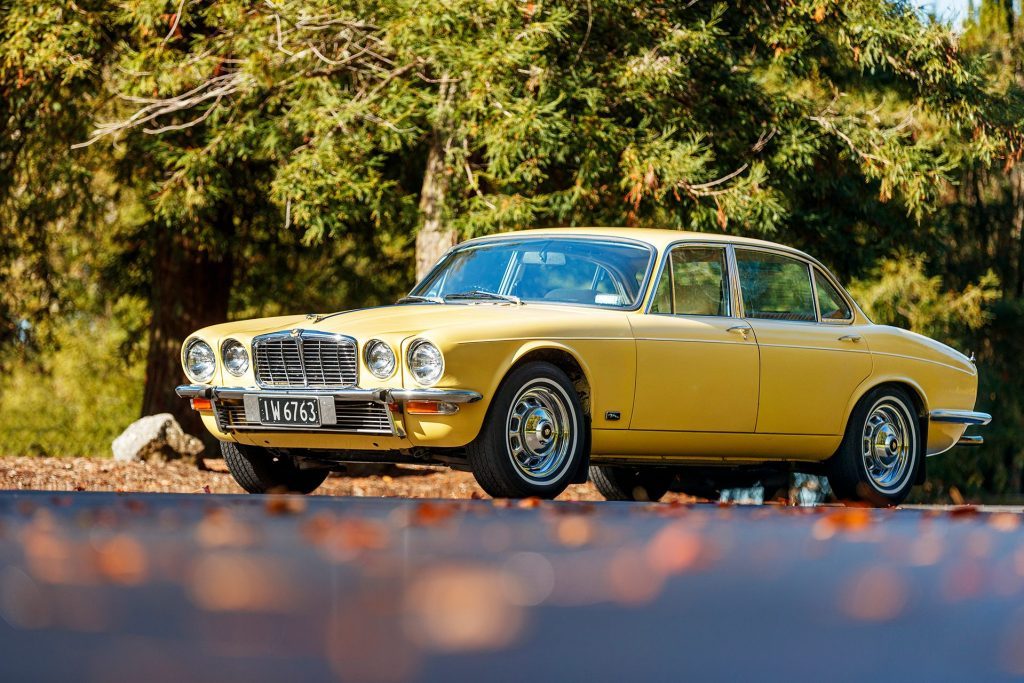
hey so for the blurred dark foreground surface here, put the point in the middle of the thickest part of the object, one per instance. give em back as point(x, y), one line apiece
point(164, 587)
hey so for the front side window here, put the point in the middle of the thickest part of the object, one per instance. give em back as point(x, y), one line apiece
point(775, 287)
point(694, 282)
point(831, 304)
point(551, 270)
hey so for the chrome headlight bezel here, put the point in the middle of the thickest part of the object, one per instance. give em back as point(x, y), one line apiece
point(186, 355)
point(234, 345)
point(437, 374)
point(369, 348)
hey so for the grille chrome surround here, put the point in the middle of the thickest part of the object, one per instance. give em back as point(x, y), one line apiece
point(351, 417)
point(305, 359)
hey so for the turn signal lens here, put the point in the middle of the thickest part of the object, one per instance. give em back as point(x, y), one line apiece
point(202, 404)
point(430, 408)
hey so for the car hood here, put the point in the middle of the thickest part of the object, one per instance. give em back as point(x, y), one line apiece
point(411, 319)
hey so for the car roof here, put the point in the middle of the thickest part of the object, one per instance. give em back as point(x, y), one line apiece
point(656, 237)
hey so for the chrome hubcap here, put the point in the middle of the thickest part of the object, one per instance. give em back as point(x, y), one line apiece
point(539, 431)
point(889, 445)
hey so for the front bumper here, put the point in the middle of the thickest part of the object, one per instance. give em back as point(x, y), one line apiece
point(386, 396)
point(355, 411)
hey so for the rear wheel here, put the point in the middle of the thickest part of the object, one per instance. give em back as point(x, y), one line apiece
point(881, 452)
point(632, 483)
point(259, 470)
point(533, 439)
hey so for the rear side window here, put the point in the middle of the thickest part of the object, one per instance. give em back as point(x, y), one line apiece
point(831, 304)
point(694, 282)
point(775, 287)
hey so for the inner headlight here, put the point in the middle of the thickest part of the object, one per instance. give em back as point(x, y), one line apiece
point(236, 358)
point(380, 359)
point(425, 362)
point(200, 361)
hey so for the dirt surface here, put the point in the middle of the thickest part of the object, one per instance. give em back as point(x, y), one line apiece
point(97, 474)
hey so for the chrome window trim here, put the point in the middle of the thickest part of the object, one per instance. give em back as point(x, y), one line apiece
point(734, 278)
point(729, 279)
point(839, 290)
point(812, 263)
point(642, 287)
point(301, 334)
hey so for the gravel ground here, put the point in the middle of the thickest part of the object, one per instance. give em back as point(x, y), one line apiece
point(101, 474)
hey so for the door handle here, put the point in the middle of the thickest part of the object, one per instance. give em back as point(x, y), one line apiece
point(741, 329)
point(850, 338)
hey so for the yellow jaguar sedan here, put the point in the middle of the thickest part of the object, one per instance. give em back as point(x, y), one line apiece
point(647, 360)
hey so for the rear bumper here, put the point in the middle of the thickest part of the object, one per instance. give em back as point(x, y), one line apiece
point(967, 418)
point(960, 417)
point(386, 396)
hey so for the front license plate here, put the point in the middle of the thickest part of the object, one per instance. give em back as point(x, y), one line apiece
point(296, 412)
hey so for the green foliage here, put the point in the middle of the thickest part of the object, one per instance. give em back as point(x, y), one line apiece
point(75, 399)
point(281, 148)
point(899, 292)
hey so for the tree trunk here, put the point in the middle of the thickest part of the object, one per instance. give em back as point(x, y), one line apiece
point(190, 289)
point(433, 240)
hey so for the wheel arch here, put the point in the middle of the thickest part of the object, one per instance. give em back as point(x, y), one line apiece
point(562, 357)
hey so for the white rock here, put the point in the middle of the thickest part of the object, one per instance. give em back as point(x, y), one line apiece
point(155, 436)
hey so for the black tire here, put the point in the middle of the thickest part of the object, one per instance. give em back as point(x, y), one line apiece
point(884, 429)
point(257, 470)
point(632, 483)
point(559, 423)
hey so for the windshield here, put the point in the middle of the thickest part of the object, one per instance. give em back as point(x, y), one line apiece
point(559, 270)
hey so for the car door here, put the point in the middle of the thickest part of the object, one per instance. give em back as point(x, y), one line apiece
point(810, 365)
point(697, 363)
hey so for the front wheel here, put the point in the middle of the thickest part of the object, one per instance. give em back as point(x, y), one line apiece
point(533, 439)
point(880, 456)
point(258, 470)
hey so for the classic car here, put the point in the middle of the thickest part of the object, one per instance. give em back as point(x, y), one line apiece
point(646, 360)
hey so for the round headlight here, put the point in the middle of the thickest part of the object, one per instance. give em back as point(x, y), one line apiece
point(425, 362)
point(380, 359)
point(200, 361)
point(236, 358)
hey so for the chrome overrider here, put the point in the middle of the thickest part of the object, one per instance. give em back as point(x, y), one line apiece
point(962, 417)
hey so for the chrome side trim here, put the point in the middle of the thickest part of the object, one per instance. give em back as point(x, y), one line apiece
point(966, 440)
point(963, 417)
point(923, 360)
point(376, 395)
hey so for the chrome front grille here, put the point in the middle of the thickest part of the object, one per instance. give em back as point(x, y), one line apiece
point(305, 359)
point(352, 417)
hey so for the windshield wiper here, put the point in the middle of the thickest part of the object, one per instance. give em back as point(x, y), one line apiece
point(481, 295)
point(415, 298)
